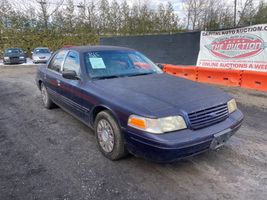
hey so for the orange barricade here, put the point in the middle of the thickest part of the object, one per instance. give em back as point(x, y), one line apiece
point(219, 76)
point(245, 79)
point(254, 80)
point(187, 72)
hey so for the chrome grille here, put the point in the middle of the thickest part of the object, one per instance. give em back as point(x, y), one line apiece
point(14, 59)
point(208, 117)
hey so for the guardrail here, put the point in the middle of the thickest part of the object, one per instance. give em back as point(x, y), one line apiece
point(228, 77)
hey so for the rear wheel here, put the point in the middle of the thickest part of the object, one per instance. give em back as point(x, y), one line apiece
point(109, 138)
point(48, 103)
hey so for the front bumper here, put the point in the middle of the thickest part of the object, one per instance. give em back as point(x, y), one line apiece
point(14, 61)
point(177, 145)
point(39, 60)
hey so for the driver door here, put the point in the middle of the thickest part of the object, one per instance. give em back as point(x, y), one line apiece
point(72, 88)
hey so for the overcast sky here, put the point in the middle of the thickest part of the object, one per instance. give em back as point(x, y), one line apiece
point(177, 4)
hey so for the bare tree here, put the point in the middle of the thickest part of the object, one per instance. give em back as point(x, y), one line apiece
point(246, 13)
point(194, 12)
point(46, 10)
point(5, 9)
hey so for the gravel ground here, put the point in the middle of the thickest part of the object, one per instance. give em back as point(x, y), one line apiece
point(47, 154)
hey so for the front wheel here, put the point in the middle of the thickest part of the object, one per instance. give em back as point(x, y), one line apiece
point(48, 103)
point(109, 137)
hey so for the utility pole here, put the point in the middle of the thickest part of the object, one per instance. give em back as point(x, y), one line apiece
point(235, 13)
point(42, 2)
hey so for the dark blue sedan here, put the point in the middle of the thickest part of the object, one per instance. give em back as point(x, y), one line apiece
point(134, 107)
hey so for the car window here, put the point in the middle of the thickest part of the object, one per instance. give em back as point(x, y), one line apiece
point(105, 64)
point(72, 62)
point(37, 51)
point(57, 61)
point(13, 51)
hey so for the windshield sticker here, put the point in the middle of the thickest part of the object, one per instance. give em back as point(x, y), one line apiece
point(93, 55)
point(97, 63)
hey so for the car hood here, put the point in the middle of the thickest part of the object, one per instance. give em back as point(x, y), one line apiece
point(162, 94)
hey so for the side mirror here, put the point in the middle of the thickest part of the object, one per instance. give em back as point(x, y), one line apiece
point(160, 66)
point(70, 74)
point(51, 52)
point(32, 52)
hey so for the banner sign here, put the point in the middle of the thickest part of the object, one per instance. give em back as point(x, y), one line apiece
point(242, 48)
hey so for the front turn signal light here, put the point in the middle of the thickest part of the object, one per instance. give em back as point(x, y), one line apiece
point(157, 126)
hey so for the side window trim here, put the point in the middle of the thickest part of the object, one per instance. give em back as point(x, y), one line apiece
point(64, 60)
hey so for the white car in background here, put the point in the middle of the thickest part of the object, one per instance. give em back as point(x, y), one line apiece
point(41, 55)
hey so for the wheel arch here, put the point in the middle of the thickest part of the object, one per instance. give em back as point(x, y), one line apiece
point(97, 109)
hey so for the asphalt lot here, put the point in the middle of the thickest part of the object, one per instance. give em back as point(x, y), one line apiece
point(48, 154)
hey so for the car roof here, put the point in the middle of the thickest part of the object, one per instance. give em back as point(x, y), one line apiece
point(83, 49)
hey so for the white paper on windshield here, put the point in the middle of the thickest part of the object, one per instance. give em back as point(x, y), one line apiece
point(97, 63)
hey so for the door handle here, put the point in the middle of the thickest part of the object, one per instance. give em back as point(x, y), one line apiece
point(58, 82)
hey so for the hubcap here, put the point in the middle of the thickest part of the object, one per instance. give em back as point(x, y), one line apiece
point(44, 94)
point(105, 135)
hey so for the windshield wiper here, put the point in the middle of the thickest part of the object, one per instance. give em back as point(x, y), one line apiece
point(106, 77)
point(120, 76)
point(141, 74)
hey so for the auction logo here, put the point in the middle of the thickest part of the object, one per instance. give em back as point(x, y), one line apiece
point(238, 46)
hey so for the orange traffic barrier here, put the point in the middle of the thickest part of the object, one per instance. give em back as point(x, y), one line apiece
point(245, 79)
point(187, 72)
point(219, 76)
point(254, 80)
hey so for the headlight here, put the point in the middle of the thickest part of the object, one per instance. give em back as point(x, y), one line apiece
point(157, 126)
point(21, 57)
point(232, 107)
point(6, 58)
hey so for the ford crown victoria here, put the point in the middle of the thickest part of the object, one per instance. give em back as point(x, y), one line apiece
point(134, 107)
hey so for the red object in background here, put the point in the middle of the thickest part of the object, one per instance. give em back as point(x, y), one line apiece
point(142, 65)
point(184, 72)
point(219, 76)
point(68, 46)
point(243, 78)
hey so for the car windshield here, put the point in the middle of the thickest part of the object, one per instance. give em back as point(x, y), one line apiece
point(13, 51)
point(37, 51)
point(113, 64)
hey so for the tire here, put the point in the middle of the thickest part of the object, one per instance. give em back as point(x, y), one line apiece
point(107, 131)
point(48, 103)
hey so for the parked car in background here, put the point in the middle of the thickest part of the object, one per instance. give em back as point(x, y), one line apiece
point(14, 56)
point(41, 55)
point(134, 107)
